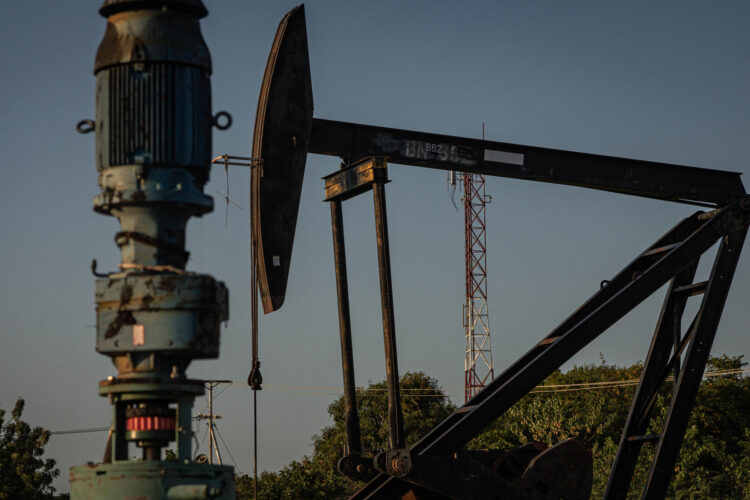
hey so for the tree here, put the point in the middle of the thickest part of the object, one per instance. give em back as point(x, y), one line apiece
point(24, 474)
point(714, 460)
point(424, 405)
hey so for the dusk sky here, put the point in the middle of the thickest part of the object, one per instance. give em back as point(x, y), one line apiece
point(656, 81)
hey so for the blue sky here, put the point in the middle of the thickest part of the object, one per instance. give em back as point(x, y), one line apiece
point(658, 81)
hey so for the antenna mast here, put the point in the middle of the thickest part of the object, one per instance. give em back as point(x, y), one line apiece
point(478, 368)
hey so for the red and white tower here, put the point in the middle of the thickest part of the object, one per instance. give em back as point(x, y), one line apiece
point(478, 369)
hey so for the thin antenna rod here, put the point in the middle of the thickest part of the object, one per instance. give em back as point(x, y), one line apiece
point(237, 161)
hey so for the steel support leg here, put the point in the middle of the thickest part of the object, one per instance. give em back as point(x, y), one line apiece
point(396, 437)
point(184, 428)
point(654, 373)
point(703, 333)
point(119, 444)
point(351, 417)
point(664, 260)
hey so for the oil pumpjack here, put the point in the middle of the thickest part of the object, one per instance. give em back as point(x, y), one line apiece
point(153, 124)
point(153, 153)
point(439, 465)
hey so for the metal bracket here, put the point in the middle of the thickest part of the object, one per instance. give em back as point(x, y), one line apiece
point(462, 479)
point(370, 173)
point(356, 178)
point(669, 256)
point(237, 161)
point(356, 467)
point(561, 471)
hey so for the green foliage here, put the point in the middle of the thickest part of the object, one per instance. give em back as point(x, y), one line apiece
point(714, 461)
point(715, 455)
point(424, 405)
point(24, 474)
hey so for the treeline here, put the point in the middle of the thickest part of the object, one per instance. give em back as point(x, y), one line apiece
point(590, 402)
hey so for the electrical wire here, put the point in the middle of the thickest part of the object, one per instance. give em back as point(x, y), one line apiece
point(205, 434)
point(334, 391)
point(541, 388)
point(80, 431)
point(227, 448)
point(222, 391)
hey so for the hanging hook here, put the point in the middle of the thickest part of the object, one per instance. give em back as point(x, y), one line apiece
point(255, 379)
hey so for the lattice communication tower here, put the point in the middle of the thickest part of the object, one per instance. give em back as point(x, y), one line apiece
point(478, 368)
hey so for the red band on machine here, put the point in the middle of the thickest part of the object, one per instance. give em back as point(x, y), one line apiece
point(150, 424)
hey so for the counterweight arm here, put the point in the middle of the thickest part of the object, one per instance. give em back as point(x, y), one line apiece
point(663, 181)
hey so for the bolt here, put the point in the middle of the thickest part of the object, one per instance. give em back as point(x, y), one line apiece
point(400, 464)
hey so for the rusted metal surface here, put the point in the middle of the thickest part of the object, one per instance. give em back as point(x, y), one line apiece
point(138, 34)
point(194, 305)
point(532, 472)
point(285, 131)
point(351, 417)
point(155, 480)
point(563, 470)
point(396, 436)
point(282, 131)
point(153, 143)
point(659, 353)
point(702, 334)
point(165, 131)
point(144, 247)
point(153, 93)
point(356, 467)
point(645, 275)
point(355, 179)
point(622, 175)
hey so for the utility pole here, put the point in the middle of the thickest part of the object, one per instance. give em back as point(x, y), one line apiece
point(213, 446)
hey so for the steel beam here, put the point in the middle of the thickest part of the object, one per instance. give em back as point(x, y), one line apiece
point(352, 141)
point(396, 436)
point(646, 274)
point(704, 331)
point(351, 417)
point(652, 378)
point(355, 179)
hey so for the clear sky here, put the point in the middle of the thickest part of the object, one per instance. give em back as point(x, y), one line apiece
point(650, 80)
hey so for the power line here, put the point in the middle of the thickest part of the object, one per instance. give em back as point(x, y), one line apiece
point(583, 386)
point(541, 388)
point(80, 431)
point(230, 453)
